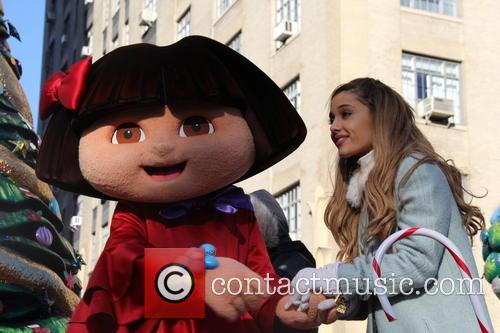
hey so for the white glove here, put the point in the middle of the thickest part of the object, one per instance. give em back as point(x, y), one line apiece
point(321, 280)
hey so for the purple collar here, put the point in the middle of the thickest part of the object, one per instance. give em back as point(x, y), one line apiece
point(227, 201)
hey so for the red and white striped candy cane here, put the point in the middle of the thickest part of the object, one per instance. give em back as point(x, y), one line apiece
point(479, 310)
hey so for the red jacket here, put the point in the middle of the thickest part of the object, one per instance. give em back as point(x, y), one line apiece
point(114, 295)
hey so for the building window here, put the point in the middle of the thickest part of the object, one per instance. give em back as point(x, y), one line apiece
point(66, 26)
point(89, 42)
point(94, 220)
point(235, 42)
point(104, 237)
point(287, 21)
point(105, 213)
point(115, 26)
point(287, 10)
point(289, 201)
point(223, 5)
point(150, 4)
point(184, 25)
point(292, 91)
point(148, 21)
point(105, 12)
point(65, 36)
point(127, 10)
point(104, 40)
point(444, 7)
point(116, 6)
point(425, 77)
point(89, 16)
point(93, 253)
point(48, 59)
point(126, 35)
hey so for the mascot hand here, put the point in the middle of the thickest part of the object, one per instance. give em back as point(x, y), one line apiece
point(230, 302)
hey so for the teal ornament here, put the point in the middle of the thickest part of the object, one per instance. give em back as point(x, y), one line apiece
point(486, 250)
point(484, 236)
point(211, 261)
point(492, 266)
point(54, 207)
point(494, 237)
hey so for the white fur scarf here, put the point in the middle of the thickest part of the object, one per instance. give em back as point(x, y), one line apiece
point(358, 179)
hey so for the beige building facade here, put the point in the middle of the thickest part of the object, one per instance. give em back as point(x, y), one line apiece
point(442, 56)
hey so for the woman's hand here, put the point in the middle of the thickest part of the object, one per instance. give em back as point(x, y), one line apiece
point(310, 318)
point(321, 280)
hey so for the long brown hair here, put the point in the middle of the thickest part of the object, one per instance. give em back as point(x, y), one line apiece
point(396, 137)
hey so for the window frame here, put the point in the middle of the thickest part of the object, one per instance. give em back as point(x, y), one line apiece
point(287, 89)
point(180, 31)
point(440, 7)
point(410, 71)
point(292, 202)
point(236, 37)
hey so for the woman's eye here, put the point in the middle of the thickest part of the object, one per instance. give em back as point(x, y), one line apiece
point(194, 126)
point(331, 118)
point(346, 114)
point(128, 133)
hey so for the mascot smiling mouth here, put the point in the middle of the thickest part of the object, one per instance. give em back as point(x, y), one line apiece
point(165, 173)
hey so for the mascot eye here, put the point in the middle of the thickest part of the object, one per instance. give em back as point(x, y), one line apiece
point(194, 126)
point(128, 133)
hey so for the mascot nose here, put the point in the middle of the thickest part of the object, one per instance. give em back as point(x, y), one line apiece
point(163, 148)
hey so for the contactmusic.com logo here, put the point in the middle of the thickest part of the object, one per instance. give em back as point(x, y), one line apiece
point(174, 283)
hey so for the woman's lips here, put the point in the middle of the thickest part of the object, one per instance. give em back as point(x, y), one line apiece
point(165, 173)
point(340, 140)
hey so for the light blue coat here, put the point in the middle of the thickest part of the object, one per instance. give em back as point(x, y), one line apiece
point(425, 200)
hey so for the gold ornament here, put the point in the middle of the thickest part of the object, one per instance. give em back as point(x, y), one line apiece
point(20, 146)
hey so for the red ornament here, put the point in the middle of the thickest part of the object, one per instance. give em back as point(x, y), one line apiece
point(33, 216)
point(70, 281)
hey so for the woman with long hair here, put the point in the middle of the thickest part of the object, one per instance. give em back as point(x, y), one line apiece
point(388, 178)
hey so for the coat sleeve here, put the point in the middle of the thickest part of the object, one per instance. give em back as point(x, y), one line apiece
point(425, 200)
point(114, 294)
point(258, 261)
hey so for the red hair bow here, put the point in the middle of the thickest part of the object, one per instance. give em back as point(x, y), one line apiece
point(66, 89)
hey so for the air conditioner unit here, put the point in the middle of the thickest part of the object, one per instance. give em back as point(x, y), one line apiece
point(75, 222)
point(148, 17)
point(64, 38)
point(284, 30)
point(435, 107)
point(86, 51)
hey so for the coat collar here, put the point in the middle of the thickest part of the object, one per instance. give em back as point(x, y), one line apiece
point(358, 179)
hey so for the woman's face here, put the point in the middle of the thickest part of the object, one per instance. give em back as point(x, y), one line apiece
point(166, 154)
point(351, 125)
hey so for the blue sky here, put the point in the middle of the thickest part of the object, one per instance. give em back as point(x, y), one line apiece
point(27, 16)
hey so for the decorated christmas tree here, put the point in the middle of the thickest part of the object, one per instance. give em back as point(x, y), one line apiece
point(38, 285)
